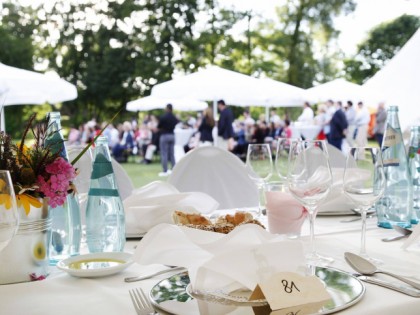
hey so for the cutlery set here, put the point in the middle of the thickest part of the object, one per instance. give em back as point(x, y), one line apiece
point(366, 270)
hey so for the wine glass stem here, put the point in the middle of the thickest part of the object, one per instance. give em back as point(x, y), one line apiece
point(261, 199)
point(363, 212)
point(312, 215)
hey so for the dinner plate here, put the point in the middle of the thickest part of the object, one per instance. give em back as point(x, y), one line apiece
point(346, 212)
point(172, 295)
point(96, 264)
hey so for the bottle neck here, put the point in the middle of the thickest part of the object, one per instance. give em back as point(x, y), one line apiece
point(55, 139)
point(101, 151)
point(392, 119)
point(415, 137)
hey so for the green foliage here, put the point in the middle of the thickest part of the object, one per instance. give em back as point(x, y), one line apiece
point(16, 28)
point(383, 42)
point(115, 51)
point(303, 21)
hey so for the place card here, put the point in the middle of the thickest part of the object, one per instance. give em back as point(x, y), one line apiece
point(289, 290)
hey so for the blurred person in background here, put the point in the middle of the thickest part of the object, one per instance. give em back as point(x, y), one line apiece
point(351, 120)
point(338, 125)
point(307, 116)
point(122, 149)
point(206, 127)
point(379, 128)
point(225, 126)
point(166, 126)
point(320, 120)
point(362, 123)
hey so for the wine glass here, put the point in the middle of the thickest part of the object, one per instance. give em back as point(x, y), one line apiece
point(309, 179)
point(364, 183)
point(259, 166)
point(9, 220)
point(282, 157)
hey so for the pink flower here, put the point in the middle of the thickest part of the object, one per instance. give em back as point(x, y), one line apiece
point(56, 182)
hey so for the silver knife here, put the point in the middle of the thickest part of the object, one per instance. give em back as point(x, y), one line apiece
point(396, 287)
point(133, 279)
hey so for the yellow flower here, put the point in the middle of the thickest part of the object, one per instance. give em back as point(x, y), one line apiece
point(6, 199)
point(26, 201)
point(2, 185)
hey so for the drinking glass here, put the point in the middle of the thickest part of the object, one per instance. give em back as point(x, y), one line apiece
point(364, 183)
point(309, 179)
point(282, 157)
point(259, 166)
point(9, 220)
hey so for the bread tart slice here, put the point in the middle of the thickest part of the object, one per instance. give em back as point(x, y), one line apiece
point(183, 218)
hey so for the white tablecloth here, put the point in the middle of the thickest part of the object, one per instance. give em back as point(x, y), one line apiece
point(63, 294)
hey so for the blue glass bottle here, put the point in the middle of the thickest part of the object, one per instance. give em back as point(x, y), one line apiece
point(66, 232)
point(395, 206)
point(414, 165)
point(105, 221)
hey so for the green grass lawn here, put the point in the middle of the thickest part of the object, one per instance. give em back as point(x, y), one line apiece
point(142, 174)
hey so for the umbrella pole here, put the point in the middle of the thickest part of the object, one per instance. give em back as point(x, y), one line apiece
point(267, 117)
point(216, 119)
point(2, 122)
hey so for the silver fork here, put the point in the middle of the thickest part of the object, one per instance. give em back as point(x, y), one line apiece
point(141, 302)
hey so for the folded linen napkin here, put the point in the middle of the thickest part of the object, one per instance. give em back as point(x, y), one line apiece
point(155, 203)
point(227, 262)
point(336, 201)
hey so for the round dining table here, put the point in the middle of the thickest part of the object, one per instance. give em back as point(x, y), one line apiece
point(61, 293)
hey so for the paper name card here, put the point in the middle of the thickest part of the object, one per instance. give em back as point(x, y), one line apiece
point(289, 290)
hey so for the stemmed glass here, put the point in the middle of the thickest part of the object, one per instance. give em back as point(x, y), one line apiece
point(364, 183)
point(259, 166)
point(309, 179)
point(9, 220)
point(282, 157)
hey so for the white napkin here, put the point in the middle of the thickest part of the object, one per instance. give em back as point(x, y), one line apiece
point(241, 259)
point(155, 203)
point(412, 238)
point(336, 201)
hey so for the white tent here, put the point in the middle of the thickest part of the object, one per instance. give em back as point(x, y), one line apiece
point(341, 90)
point(399, 82)
point(18, 86)
point(152, 102)
point(278, 94)
point(234, 88)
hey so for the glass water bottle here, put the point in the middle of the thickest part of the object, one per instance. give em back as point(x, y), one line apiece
point(395, 206)
point(414, 165)
point(105, 222)
point(66, 230)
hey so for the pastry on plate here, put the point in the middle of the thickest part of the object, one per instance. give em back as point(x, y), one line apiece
point(224, 224)
point(184, 218)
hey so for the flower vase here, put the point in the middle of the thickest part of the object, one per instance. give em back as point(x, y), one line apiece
point(25, 258)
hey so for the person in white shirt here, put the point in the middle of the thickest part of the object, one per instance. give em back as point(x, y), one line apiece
point(274, 118)
point(351, 120)
point(362, 122)
point(307, 116)
point(329, 113)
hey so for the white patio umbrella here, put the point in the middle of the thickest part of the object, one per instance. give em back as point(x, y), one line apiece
point(399, 82)
point(214, 83)
point(341, 90)
point(152, 102)
point(18, 86)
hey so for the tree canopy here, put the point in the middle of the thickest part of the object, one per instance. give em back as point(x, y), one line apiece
point(115, 51)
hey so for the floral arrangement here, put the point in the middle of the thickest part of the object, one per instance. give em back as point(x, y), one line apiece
point(37, 170)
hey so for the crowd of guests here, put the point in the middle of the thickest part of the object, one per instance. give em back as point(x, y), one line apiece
point(341, 125)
